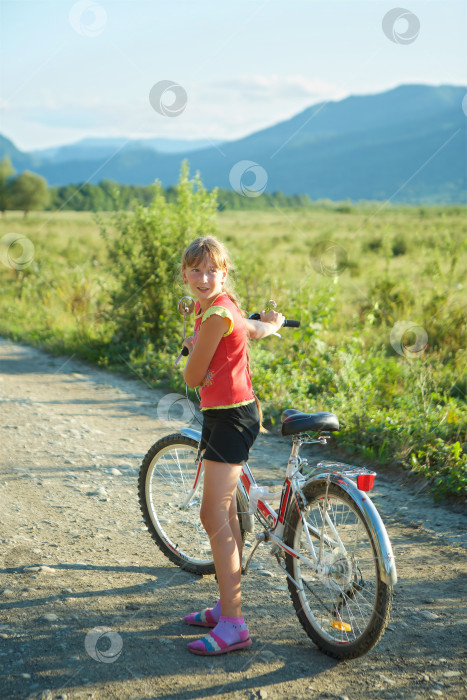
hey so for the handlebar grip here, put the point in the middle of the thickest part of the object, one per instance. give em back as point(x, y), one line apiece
point(185, 351)
point(289, 323)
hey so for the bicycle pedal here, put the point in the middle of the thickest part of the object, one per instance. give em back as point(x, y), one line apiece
point(342, 626)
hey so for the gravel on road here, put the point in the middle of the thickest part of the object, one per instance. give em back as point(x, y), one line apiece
point(90, 608)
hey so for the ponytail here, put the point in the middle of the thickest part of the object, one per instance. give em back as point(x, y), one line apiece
point(262, 429)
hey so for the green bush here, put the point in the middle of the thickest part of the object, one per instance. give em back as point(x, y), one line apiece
point(445, 465)
point(399, 245)
point(145, 255)
point(374, 244)
point(112, 300)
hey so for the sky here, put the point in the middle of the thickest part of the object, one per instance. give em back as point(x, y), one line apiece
point(71, 70)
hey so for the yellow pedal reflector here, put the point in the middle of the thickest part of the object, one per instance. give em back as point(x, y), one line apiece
point(342, 626)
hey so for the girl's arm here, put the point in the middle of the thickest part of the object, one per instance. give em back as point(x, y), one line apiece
point(270, 323)
point(202, 352)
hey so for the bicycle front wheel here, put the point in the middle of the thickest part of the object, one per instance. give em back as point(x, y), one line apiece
point(166, 480)
point(342, 604)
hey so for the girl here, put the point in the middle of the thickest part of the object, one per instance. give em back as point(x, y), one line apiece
point(218, 363)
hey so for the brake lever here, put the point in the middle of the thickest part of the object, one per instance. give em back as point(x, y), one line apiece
point(257, 317)
point(183, 353)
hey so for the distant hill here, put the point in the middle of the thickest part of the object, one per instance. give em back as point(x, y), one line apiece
point(21, 161)
point(407, 144)
point(92, 148)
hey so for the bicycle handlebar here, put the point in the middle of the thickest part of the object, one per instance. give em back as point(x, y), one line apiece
point(287, 323)
point(255, 317)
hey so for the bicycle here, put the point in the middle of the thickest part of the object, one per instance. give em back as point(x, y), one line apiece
point(326, 534)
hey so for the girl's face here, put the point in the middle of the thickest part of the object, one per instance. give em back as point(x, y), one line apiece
point(205, 281)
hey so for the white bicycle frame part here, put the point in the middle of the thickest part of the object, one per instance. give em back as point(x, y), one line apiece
point(384, 553)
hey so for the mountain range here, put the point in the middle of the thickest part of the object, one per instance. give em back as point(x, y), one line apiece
point(407, 144)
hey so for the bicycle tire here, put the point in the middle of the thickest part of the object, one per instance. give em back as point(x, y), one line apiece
point(166, 474)
point(344, 609)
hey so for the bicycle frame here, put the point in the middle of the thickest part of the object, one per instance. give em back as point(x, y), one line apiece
point(292, 494)
point(320, 524)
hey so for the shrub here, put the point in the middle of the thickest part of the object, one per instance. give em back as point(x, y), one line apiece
point(444, 465)
point(145, 255)
point(374, 244)
point(399, 246)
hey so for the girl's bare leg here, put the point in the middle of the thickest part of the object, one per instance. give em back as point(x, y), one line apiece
point(235, 525)
point(220, 485)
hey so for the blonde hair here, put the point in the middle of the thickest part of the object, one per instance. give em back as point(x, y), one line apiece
point(208, 246)
point(215, 250)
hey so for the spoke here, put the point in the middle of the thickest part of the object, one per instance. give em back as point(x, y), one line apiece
point(173, 472)
point(367, 602)
point(315, 531)
point(337, 609)
point(348, 558)
point(170, 482)
point(168, 472)
point(180, 472)
point(334, 530)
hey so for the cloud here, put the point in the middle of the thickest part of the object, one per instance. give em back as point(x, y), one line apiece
point(225, 109)
point(240, 105)
point(275, 87)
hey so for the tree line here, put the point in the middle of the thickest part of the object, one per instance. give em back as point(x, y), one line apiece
point(30, 192)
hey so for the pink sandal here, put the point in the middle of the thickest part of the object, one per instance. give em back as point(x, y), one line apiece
point(212, 644)
point(201, 619)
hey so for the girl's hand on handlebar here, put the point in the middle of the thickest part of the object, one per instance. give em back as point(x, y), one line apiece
point(275, 318)
point(188, 343)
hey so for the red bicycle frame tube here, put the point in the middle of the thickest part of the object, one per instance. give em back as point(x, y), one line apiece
point(264, 508)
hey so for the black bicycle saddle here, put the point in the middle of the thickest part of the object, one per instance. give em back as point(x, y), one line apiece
point(294, 422)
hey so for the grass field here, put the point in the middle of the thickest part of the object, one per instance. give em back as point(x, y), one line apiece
point(380, 293)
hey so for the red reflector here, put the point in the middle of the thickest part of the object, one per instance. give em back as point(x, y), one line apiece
point(365, 482)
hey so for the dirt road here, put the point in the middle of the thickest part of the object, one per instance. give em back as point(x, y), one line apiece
point(76, 558)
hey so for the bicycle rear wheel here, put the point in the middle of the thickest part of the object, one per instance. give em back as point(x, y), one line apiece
point(343, 607)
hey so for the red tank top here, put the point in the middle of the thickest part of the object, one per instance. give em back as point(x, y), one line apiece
point(227, 382)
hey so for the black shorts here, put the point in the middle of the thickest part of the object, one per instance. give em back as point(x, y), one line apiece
point(229, 433)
